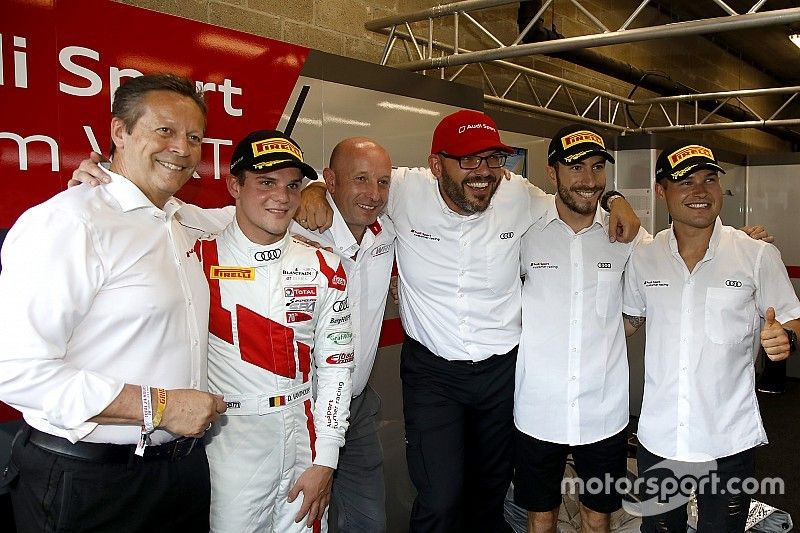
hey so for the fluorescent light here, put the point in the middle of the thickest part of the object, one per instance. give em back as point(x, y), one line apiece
point(795, 38)
point(408, 108)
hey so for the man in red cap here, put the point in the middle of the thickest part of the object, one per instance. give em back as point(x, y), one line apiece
point(459, 224)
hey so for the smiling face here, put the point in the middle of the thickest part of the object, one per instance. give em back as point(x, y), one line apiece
point(266, 202)
point(358, 180)
point(162, 149)
point(466, 191)
point(694, 201)
point(580, 185)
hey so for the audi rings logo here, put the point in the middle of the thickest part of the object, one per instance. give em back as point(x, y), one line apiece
point(340, 305)
point(507, 235)
point(603, 265)
point(732, 283)
point(267, 255)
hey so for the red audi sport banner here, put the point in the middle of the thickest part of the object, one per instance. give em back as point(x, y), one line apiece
point(61, 60)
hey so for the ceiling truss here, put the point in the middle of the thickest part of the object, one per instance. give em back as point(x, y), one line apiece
point(546, 94)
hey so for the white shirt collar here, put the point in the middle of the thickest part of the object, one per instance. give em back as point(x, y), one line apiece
point(131, 197)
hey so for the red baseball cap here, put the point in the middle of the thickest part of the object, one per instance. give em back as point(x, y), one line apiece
point(467, 132)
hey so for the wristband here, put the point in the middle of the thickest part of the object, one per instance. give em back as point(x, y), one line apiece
point(147, 410)
point(161, 406)
point(607, 198)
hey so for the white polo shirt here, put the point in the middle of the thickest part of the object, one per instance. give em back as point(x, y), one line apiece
point(703, 332)
point(368, 276)
point(572, 367)
point(98, 289)
point(460, 288)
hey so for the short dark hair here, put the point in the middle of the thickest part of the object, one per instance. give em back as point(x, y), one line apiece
point(128, 97)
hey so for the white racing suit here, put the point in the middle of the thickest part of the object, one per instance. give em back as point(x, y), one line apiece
point(273, 309)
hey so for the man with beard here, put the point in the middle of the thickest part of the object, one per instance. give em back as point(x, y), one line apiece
point(706, 289)
point(458, 245)
point(572, 371)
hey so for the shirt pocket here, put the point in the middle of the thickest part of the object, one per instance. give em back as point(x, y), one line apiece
point(502, 266)
point(728, 315)
point(609, 293)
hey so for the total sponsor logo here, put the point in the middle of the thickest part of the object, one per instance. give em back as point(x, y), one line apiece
point(583, 136)
point(340, 337)
point(338, 320)
point(380, 250)
point(297, 316)
point(300, 292)
point(269, 146)
point(340, 358)
point(479, 126)
point(686, 152)
point(232, 273)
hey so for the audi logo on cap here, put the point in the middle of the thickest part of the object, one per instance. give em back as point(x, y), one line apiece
point(267, 255)
point(732, 283)
point(507, 235)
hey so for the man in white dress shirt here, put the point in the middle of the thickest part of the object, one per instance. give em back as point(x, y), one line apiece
point(458, 245)
point(572, 370)
point(103, 334)
point(705, 289)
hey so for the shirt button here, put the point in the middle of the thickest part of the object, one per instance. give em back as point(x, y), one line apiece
point(681, 424)
point(573, 378)
point(575, 293)
point(573, 404)
point(460, 295)
point(574, 349)
point(574, 322)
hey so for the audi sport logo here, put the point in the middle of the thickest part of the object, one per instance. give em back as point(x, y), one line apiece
point(732, 283)
point(507, 235)
point(339, 358)
point(267, 255)
point(603, 265)
point(340, 305)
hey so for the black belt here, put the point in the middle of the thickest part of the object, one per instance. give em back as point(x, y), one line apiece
point(112, 453)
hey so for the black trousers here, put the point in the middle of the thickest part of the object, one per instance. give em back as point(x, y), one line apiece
point(722, 502)
point(57, 493)
point(459, 439)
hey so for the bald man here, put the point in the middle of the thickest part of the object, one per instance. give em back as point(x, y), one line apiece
point(358, 181)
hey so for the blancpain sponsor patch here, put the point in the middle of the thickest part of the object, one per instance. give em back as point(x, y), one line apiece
point(380, 250)
point(299, 275)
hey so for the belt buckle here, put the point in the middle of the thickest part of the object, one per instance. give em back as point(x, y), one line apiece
point(177, 445)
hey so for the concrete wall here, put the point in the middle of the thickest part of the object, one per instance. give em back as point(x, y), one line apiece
point(337, 26)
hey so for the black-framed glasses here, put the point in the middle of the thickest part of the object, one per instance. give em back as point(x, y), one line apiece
point(471, 162)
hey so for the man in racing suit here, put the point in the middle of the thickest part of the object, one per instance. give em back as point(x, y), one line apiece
point(276, 303)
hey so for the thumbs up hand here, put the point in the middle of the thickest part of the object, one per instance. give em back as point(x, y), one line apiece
point(773, 337)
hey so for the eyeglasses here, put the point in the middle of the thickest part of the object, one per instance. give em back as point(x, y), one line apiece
point(471, 162)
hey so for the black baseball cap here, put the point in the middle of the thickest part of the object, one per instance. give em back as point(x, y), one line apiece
point(268, 150)
point(575, 143)
point(682, 159)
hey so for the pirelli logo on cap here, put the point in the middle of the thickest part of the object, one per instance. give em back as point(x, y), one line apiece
point(233, 273)
point(583, 136)
point(686, 152)
point(269, 146)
